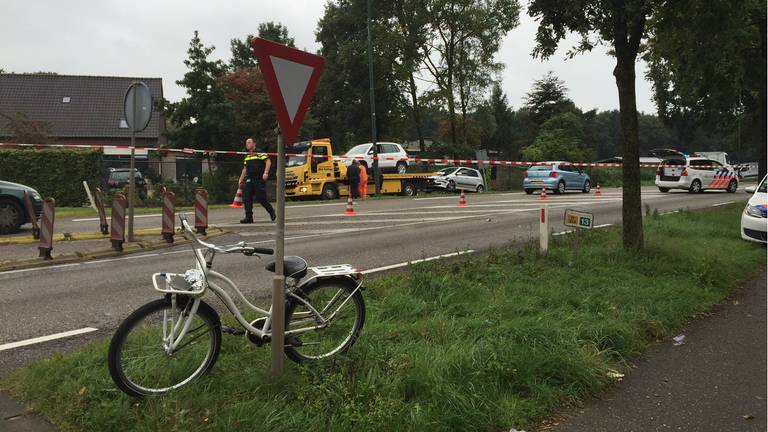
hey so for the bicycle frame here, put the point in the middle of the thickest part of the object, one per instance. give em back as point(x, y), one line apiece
point(174, 331)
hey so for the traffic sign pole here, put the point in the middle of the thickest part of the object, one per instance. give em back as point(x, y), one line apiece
point(278, 283)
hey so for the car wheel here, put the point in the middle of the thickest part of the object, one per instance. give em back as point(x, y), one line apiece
point(329, 192)
point(11, 216)
point(529, 191)
point(587, 187)
point(665, 190)
point(480, 189)
point(409, 189)
point(401, 167)
point(695, 187)
point(560, 187)
point(732, 186)
point(451, 186)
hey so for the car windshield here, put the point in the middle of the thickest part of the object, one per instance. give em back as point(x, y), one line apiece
point(297, 159)
point(446, 171)
point(763, 187)
point(540, 168)
point(358, 149)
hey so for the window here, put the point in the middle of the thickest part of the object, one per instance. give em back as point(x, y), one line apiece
point(390, 148)
point(566, 168)
point(471, 173)
point(66, 99)
point(359, 149)
point(540, 168)
point(446, 171)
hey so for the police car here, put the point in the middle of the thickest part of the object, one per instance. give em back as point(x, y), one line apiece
point(694, 174)
point(754, 219)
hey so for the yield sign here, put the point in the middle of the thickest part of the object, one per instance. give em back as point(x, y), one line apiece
point(291, 77)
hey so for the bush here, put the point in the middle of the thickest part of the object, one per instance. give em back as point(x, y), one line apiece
point(55, 173)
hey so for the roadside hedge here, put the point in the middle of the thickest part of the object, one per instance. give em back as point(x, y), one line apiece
point(57, 173)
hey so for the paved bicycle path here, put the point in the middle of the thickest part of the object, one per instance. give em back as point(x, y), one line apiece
point(715, 381)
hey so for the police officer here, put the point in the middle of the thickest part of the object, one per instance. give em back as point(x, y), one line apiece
point(253, 181)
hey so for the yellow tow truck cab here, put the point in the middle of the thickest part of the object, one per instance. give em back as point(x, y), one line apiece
point(312, 171)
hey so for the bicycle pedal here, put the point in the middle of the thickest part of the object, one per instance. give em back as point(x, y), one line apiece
point(231, 330)
point(292, 341)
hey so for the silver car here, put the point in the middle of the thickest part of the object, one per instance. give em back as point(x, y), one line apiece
point(455, 178)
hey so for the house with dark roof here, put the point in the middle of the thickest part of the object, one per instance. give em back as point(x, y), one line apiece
point(77, 109)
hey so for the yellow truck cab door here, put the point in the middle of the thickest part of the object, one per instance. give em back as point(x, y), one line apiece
point(321, 165)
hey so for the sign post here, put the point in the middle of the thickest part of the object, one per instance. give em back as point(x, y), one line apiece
point(579, 220)
point(291, 77)
point(137, 107)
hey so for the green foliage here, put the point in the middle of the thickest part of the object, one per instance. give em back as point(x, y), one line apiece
point(54, 173)
point(560, 138)
point(548, 98)
point(712, 79)
point(444, 347)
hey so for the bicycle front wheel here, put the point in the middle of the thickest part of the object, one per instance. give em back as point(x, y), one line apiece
point(141, 361)
point(338, 315)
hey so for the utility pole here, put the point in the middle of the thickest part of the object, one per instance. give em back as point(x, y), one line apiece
point(376, 174)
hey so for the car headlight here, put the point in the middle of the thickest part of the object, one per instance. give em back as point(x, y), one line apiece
point(755, 211)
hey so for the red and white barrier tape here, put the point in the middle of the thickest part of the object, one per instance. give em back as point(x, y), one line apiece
point(342, 157)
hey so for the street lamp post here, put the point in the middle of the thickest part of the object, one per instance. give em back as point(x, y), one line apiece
point(376, 173)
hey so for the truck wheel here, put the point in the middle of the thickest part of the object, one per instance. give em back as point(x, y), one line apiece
point(329, 192)
point(11, 216)
point(409, 189)
point(401, 167)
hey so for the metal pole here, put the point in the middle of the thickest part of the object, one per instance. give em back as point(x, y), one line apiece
point(278, 285)
point(376, 173)
point(131, 177)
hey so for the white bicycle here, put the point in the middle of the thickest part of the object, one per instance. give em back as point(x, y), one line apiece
point(170, 342)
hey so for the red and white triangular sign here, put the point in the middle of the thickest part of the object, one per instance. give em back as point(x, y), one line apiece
point(291, 77)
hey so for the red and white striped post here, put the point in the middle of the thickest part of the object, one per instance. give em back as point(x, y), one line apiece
point(169, 215)
point(117, 236)
point(99, 198)
point(32, 216)
point(543, 228)
point(201, 210)
point(46, 228)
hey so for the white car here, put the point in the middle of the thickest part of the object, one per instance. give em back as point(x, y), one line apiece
point(694, 174)
point(392, 157)
point(457, 178)
point(754, 219)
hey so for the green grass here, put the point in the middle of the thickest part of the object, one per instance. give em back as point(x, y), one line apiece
point(486, 343)
point(76, 212)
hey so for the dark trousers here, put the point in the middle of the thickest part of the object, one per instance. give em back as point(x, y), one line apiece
point(255, 190)
point(354, 188)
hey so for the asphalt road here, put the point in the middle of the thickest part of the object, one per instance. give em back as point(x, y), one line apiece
point(99, 294)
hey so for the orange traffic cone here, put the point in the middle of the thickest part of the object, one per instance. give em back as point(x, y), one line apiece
point(462, 199)
point(597, 191)
point(350, 210)
point(543, 194)
point(238, 201)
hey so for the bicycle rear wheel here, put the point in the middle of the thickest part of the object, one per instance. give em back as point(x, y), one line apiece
point(343, 312)
point(140, 363)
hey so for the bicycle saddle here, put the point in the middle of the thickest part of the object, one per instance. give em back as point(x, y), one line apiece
point(293, 266)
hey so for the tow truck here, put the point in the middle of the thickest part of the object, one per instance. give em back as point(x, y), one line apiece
point(312, 170)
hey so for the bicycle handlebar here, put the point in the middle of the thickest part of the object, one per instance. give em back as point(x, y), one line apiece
point(245, 250)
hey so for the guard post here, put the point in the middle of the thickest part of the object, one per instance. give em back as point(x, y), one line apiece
point(46, 230)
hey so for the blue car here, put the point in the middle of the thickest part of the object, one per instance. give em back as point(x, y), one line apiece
point(557, 177)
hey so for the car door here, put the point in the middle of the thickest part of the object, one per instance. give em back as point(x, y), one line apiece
point(703, 171)
point(461, 179)
point(473, 179)
point(720, 177)
point(568, 175)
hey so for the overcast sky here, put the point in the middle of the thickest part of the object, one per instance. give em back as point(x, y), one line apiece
point(150, 39)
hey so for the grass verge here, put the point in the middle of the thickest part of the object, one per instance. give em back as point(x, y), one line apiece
point(487, 343)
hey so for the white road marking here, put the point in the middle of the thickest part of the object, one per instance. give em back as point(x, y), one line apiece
point(40, 339)
point(562, 233)
point(96, 219)
point(603, 225)
point(39, 268)
point(407, 263)
point(669, 212)
point(722, 203)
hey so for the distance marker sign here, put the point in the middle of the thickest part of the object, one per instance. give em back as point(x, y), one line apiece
point(579, 219)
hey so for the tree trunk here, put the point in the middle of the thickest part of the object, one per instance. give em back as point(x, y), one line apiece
point(417, 114)
point(632, 216)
